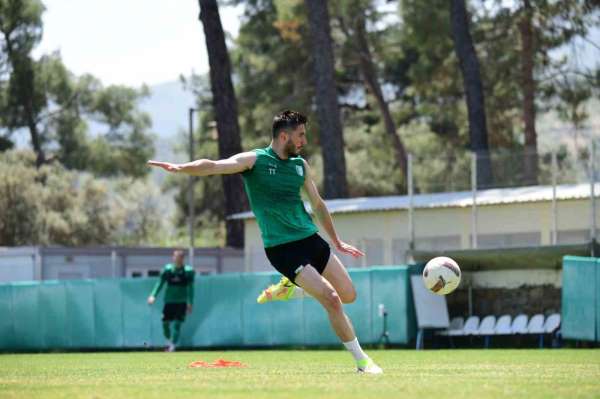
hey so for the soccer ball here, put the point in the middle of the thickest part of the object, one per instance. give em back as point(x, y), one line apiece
point(441, 275)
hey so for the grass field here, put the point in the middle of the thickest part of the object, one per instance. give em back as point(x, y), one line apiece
point(305, 374)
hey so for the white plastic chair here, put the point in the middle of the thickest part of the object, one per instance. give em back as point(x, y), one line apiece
point(503, 325)
point(551, 326)
point(552, 323)
point(455, 328)
point(519, 325)
point(487, 325)
point(471, 326)
point(536, 324)
point(486, 328)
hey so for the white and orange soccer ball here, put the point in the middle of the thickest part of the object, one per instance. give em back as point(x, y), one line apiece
point(441, 275)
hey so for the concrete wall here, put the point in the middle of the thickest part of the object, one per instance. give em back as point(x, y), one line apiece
point(19, 264)
point(58, 263)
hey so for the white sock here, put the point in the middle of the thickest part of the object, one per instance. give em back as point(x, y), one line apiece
point(354, 347)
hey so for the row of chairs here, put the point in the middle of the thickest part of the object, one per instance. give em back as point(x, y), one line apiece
point(504, 325)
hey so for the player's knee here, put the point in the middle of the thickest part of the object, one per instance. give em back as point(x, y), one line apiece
point(348, 296)
point(332, 301)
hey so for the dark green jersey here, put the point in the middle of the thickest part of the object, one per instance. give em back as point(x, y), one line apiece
point(273, 187)
point(180, 284)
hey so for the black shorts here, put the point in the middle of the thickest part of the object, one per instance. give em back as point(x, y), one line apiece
point(174, 311)
point(291, 257)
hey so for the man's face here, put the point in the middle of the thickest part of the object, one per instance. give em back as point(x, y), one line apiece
point(178, 258)
point(296, 141)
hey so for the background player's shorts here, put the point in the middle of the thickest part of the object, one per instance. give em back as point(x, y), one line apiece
point(174, 311)
point(289, 258)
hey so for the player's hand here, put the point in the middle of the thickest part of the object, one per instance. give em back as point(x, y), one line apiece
point(151, 300)
point(189, 308)
point(348, 249)
point(168, 166)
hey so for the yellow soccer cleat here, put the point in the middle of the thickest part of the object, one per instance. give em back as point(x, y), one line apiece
point(282, 291)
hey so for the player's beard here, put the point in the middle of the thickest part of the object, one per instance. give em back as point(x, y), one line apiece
point(290, 149)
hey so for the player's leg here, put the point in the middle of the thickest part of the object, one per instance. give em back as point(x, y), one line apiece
point(166, 321)
point(167, 330)
point(179, 310)
point(322, 290)
point(167, 318)
point(319, 288)
point(338, 276)
point(176, 331)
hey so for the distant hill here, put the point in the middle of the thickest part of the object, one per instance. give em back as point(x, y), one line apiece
point(168, 106)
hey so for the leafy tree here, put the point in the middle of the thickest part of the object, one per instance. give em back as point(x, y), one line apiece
point(44, 98)
point(334, 161)
point(226, 115)
point(51, 205)
point(353, 17)
point(469, 65)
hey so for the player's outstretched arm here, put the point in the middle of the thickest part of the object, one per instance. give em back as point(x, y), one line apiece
point(206, 167)
point(324, 217)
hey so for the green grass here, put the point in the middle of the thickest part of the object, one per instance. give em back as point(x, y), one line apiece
point(305, 374)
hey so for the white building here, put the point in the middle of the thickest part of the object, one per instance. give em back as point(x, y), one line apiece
point(502, 218)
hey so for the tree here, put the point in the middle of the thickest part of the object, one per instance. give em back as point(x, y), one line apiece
point(226, 115)
point(50, 205)
point(54, 106)
point(573, 95)
point(21, 30)
point(469, 65)
point(538, 27)
point(356, 34)
point(332, 140)
point(529, 88)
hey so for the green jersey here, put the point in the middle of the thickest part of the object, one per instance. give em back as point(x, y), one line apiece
point(273, 187)
point(180, 284)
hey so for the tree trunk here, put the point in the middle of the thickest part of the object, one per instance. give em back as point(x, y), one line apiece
point(528, 87)
point(469, 66)
point(328, 112)
point(226, 113)
point(22, 68)
point(371, 80)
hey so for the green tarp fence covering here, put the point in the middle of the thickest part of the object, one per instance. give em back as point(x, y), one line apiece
point(113, 313)
point(581, 298)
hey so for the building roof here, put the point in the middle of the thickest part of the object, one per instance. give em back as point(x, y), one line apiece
point(460, 199)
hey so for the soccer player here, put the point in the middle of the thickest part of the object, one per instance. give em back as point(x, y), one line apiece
point(179, 296)
point(273, 178)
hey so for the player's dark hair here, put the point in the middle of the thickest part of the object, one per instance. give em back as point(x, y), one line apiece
point(287, 120)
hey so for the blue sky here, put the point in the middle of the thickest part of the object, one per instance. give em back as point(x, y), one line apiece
point(129, 41)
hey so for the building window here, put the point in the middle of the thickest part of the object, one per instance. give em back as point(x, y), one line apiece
point(509, 240)
point(573, 236)
point(137, 274)
point(399, 248)
point(153, 273)
point(374, 251)
point(438, 243)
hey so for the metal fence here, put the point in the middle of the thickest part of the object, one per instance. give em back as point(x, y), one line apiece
point(479, 173)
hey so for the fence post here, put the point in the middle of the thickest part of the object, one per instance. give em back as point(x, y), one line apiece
point(474, 197)
point(593, 196)
point(411, 223)
point(554, 208)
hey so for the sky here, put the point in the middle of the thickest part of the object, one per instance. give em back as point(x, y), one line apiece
point(130, 42)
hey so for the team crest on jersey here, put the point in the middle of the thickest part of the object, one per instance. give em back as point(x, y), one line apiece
point(300, 170)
